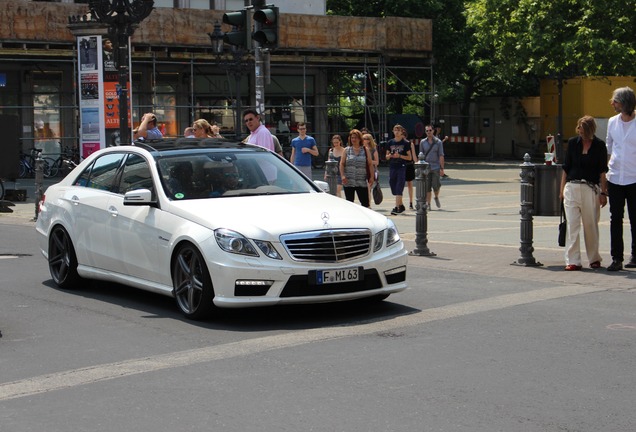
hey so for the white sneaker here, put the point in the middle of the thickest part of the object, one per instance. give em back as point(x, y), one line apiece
point(437, 203)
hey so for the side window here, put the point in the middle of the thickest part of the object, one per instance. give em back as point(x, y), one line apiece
point(103, 173)
point(82, 180)
point(136, 175)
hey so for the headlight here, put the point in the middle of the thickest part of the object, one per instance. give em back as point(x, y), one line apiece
point(378, 240)
point(392, 235)
point(233, 242)
point(268, 249)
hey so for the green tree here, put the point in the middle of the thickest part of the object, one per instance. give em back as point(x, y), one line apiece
point(558, 39)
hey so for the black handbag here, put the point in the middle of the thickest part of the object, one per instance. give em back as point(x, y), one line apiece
point(563, 226)
point(376, 191)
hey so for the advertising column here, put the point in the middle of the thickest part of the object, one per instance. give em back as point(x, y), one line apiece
point(91, 102)
point(99, 96)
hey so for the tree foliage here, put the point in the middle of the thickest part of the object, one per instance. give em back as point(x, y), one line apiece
point(503, 47)
point(558, 38)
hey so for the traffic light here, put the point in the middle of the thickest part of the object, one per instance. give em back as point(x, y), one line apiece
point(266, 27)
point(241, 29)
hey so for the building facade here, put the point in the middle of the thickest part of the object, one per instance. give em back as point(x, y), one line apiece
point(176, 74)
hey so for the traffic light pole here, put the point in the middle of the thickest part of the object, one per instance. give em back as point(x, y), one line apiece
point(263, 38)
point(259, 81)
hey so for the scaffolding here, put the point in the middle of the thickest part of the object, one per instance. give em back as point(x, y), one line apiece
point(333, 97)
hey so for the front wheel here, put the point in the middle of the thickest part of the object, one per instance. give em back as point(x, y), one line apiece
point(62, 259)
point(192, 284)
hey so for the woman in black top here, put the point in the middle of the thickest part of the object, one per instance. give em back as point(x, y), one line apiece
point(584, 192)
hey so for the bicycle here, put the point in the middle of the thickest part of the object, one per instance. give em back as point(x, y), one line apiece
point(66, 161)
point(27, 164)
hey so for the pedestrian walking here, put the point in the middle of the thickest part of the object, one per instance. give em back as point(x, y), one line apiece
point(303, 148)
point(433, 150)
point(398, 152)
point(355, 169)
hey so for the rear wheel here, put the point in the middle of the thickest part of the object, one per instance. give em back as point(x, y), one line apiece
point(23, 170)
point(192, 284)
point(62, 259)
point(54, 167)
point(48, 165)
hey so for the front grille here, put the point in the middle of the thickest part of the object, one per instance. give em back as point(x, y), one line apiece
point(328, 246)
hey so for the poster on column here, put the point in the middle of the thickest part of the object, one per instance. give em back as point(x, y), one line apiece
point(99, 96)
point(90, 84)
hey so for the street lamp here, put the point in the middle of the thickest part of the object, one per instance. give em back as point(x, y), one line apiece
point(217, 39)
point(122, 18)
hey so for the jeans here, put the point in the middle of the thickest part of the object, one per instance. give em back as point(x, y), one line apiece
point(618, 195)
point(397, 178)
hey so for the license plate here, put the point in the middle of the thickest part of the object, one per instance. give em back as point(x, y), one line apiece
point(351, 274)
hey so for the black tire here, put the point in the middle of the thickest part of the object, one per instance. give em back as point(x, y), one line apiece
point(62, 259)
point(1, 190)
point(53, 166)
point(23, 170)
point(47, 167)
point(192, 285)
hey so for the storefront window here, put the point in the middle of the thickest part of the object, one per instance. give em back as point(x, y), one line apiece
point(46, 111)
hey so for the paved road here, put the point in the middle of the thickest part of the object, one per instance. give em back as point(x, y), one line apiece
point(476, 344)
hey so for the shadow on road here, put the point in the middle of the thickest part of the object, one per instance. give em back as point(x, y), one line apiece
point(255, 319)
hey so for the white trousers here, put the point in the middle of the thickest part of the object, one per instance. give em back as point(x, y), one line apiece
point(581, 206)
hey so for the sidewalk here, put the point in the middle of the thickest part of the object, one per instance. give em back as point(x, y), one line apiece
point(477, 230)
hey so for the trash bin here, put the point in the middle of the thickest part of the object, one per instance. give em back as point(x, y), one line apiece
point(547, 185)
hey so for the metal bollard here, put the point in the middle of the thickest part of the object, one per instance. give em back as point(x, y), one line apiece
point(421, 220)
point(39, 188)
point(527, 175)
point(332, 174)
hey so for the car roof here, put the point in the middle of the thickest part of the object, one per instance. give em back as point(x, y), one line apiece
point(171, 144)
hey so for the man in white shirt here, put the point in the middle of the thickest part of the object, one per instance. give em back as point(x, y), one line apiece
point(621, 177)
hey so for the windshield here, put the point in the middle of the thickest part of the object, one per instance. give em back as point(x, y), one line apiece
point(227, 173)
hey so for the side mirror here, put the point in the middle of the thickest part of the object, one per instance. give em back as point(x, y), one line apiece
point(322, 185)
point(139, 197)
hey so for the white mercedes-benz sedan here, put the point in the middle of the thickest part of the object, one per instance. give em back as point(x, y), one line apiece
point(214, 223)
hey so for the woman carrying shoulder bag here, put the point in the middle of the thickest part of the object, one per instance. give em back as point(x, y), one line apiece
point(584, 192)
point(354, 168)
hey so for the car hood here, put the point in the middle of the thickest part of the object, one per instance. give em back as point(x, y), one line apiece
point(267, 217)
